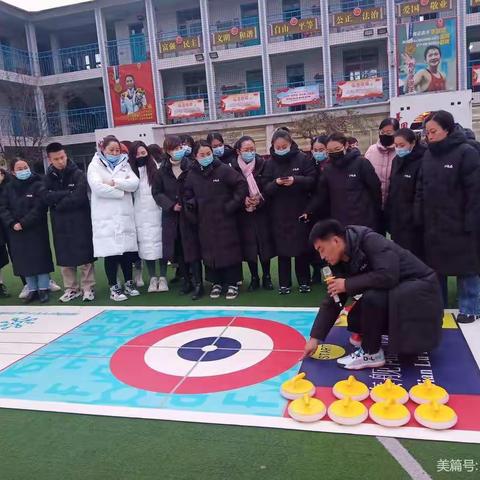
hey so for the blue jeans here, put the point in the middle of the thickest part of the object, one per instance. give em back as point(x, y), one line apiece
point(38, 282)
point(469, 294)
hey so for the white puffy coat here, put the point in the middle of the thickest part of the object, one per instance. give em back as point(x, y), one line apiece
point(113, 219)
point(148, 220)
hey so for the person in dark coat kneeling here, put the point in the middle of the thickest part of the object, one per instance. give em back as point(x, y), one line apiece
point(449, 199)
point(403, 223)
point(24, 215)
point(257, 242)
point(391, 280)
point(214, 193)
point(179, 236)
point(66, 191)
point(290, 178)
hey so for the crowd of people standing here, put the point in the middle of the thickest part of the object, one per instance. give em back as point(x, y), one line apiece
point(207, 207)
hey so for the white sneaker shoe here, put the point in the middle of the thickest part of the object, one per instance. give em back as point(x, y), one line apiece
point(138, 277)
point(88, 296)
point(359, 360)
point(162, 285)
point(24, 293)
point(53, 287)
point(130, 290)
point(70, 295)
point(153, 287)
point(116, 294)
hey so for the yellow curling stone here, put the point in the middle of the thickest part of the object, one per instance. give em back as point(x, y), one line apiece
point(427, 392)
point(307, 409)
point(347, 412)
point(297, 387)
point(389, 391)
point(435, 415)
point(352, 388)
point(389, 413)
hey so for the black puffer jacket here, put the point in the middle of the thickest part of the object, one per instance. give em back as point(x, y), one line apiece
point(448, 201)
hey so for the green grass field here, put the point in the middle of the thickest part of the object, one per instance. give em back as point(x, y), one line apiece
point(49, 446)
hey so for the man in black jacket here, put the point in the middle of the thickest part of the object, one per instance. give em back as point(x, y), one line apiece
point(400, 295)
point(66, 195)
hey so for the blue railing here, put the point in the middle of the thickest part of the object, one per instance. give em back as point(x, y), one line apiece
point(178, 98)
point(351, 5)
point(128, 50)
point(471, 9)
point(373, 97)
point(74, 122)
point(232, 40)
point(14, 123)
point(70, 59)
point(15, 60)
point(299, 15)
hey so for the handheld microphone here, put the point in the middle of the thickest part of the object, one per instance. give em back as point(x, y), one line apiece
point(328, 275)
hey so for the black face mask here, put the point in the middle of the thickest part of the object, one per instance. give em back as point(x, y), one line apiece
point(386, 140)
point(337, 156)
point(141, 161)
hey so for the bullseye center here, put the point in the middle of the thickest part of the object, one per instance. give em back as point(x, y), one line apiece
point(209, 348)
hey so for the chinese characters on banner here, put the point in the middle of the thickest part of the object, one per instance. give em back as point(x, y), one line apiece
point(295, 25)
point(180, 44)
point(421, 7)
point(358, 89)
point(235, 35)
point(358, 15)
point(240, 102)
point(290, 97)
point(476, 76)
point(475, 3)
point(427, 56)
point(185, 108)
point(132, 94)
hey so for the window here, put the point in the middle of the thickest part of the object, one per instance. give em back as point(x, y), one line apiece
point(362, 63)
point(195, 85)
point(189, 22)
point(296, 78)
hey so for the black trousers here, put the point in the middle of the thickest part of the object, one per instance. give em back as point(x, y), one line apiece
point(369, 317)
point(227, 276)
point(125, 261)
point(302, 270)
point(253, 266)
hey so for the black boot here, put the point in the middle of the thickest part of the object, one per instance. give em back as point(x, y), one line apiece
point(44, 296)
point(254, 284)
point(187, 286)
point(198, 291)
point(267, 282)
point(31, 297)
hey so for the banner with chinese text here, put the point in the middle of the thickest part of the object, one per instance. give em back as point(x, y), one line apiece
point(185, 108)
point(241, 102)
point(290, 97)
point(358, 89)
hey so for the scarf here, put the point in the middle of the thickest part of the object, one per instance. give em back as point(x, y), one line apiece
point(247, 170)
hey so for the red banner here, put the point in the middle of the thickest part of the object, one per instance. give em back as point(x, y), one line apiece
point(476, 76)
point(240, 102)
point(132, 94)
point(358, 89)
point(185, 108)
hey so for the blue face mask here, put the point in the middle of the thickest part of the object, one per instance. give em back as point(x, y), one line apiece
point(282, 153)
point(206, 161)
point(177, 155)
point(402, 152)
point(113, 160)
point(319, 156)
point(248, 157)
point(219, 151)
point(188, 150)
point(23, 174)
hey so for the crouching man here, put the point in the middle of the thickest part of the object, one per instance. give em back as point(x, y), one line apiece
point(400, 295)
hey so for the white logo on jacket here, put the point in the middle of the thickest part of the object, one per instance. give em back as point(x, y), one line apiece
point(216, 180)
point(407, 175)
point(295, 169)
point(352, 175)
point(448, 166)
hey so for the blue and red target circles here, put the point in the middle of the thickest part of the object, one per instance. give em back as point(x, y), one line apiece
point(208, 355)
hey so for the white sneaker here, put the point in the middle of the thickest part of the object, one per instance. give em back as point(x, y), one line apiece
point(232, 293)
point(70, 295)
point(359, 360)
point(153, 287)
point(88, 296)
point(138, 277)
point(130, 290)
point(162, 285)
point(116, 294)
point(24, 293)
point(53, 287)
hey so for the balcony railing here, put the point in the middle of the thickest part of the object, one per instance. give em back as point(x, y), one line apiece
point(70, 59)
point(128, 50)
point(15, 124)
point(174, 44)
point(367, 87)
point(15, 60)
point(294, 24)
point(297, 96)
point(240, 102)
point(77, 121)
point(235, 33)
point(186, 108)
